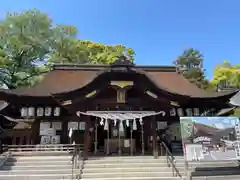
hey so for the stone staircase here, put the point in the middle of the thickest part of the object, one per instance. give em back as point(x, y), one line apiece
point(38, 167)
point(214, 170)
point(127, 168)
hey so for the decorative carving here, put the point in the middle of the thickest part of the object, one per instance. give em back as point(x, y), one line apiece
point(174, 103)
point(122, 84)
point(67, 102)
point(91, 94)
point(152, 94)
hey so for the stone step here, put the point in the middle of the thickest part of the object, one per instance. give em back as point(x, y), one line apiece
point(34, 163)
point(127, 174)
point(40, 153)
point(28, 159)
point(230, 177)
point(134, 178)
point(125, 157)
point(26, 167)
point(37, 177)
point(116, 165)
point(216, 173)
point(37, 171)
point(125, 161)
point(131, 169)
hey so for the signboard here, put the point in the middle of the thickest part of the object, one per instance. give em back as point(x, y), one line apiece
point(45, 139)
point(47, 132)
point(126, 143)
point(57, 125)
point(73, 125)
point(44, 125)
point(210, 138)
point(55, 140)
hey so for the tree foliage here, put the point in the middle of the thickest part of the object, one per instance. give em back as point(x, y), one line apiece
point(30, 42)
point(190, 64)
point(226, 75)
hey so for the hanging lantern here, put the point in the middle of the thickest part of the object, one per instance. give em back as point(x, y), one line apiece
point(127, 123)
point(24, 112)
point(40, 111)
point(180, 112)
point(173, 112)
point(196, 111)
point(134, 125)
point(48, 111)
point(31, 111)
point(121, 129)
point(56, 111)
point(106, 125)
point(189, 112)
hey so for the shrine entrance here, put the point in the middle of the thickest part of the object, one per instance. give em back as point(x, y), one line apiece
point(121, 132)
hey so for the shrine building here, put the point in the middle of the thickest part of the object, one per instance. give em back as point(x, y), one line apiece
point(119, 108)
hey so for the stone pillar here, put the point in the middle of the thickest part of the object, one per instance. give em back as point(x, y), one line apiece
point(154, 135)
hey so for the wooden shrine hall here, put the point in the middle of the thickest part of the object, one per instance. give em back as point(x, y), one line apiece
point(119, 108)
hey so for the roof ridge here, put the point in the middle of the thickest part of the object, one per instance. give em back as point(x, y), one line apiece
point(102, 67)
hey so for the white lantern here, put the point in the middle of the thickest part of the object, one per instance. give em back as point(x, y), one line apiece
point(40, 111)
point(24, 112)
point(48, 111)
point(180, 112)
point(31, 111)
point(189, 112)
point(173, 112)
point(196, 111)
point(57, 111)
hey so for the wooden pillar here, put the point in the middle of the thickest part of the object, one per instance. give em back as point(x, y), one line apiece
point(35, 131)
point(154, 135)
point(87, 137)
point(64, 133)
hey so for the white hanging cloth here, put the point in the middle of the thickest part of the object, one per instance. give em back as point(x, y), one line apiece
point(127, 123)
point(134, 125)
point(141, 121)
point(106, 125)
point(121, 126)
point(102, 122)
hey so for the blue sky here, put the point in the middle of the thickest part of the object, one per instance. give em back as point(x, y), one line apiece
point(158, 30)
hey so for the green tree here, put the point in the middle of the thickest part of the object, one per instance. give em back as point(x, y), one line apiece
point(190, 64)
point(84, 51)
point(30, 42)
point(226, 75)
point(24, 41)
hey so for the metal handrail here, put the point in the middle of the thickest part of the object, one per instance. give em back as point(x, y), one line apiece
point(76, 162)
point(6, 156)
point(171, 161)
